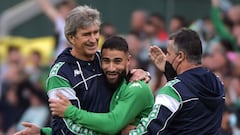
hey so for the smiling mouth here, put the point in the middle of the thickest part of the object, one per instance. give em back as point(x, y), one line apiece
point(90, 45)
point(112, 76)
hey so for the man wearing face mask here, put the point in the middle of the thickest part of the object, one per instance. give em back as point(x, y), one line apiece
point(192, 102)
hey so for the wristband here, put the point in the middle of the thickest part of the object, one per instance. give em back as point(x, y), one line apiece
point(149, 75)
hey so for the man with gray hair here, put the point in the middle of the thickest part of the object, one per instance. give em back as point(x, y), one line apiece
point(77, 73)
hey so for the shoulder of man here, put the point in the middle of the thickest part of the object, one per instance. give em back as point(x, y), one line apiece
point(138, 84)
point(57, 76)
point(62, 69)
point(139, 88)
point(168, 90)
point(56, 68)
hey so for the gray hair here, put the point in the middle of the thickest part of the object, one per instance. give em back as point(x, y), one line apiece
point(81, 17)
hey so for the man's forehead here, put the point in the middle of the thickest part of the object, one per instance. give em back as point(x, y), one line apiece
point(113, 53)
point(111, 50)
point(89, 28)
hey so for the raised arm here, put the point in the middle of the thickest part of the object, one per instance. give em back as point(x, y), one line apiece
point(49, 9)
point(219, 25)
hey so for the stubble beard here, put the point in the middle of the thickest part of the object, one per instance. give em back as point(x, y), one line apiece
point(117, 83)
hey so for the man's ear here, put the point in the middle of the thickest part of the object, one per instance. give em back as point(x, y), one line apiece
point(129, 58)
point(181, 56)
point(71, 39)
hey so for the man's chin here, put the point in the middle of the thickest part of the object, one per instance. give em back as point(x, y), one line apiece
point(115, 81)
point(112, 81)
point(113, 84)
point(91, 51)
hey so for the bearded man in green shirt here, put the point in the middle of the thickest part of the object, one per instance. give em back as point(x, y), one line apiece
point(130, 102)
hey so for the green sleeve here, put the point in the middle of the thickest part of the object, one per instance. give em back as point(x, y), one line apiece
point(56, 83)
point(167, 98)
point(132, 102)
point(221, 29)
point(46, 131)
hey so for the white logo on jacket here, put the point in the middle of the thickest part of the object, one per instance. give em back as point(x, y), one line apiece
point(76, 72)
point(135, 84)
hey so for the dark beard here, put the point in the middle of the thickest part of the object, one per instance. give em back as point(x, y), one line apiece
point(114, 86)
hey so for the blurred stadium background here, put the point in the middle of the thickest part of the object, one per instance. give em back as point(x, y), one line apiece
point(25, 31)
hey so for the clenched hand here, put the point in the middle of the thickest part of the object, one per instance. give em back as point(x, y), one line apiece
point(59, 106)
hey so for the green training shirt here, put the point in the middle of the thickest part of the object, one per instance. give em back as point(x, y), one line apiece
point(129, 104)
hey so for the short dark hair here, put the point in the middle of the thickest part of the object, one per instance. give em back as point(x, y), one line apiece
point(188, 41)
point(115, 43)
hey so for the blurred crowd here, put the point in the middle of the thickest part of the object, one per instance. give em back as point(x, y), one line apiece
point(22, 80)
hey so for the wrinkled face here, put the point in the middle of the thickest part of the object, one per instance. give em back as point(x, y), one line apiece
point(85, 42)
point(114, 65)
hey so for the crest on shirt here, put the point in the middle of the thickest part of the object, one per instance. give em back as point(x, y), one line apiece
point(76, 72)
point(55, 68)
point(135, 84)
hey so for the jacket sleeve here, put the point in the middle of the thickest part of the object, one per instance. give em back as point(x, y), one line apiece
point(57, 83)
point(167, 103)
point(46, 131)
point(132, 102)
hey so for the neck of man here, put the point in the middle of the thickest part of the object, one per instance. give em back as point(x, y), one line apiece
point(115, 86)
point(82, 56)
point(185, 66)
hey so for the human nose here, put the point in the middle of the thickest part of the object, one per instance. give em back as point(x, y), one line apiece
point(112, 67)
